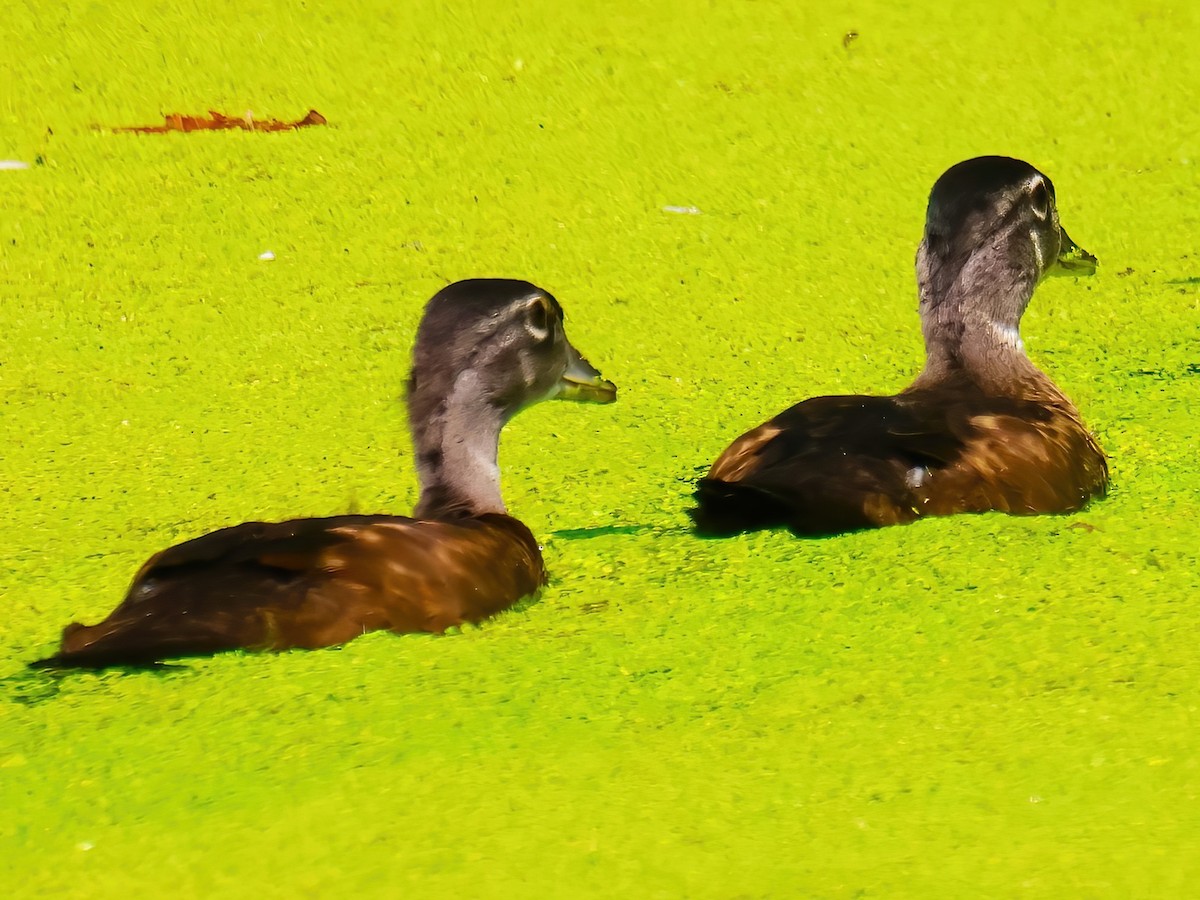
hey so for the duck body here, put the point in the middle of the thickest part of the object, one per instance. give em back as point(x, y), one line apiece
point(835, 464)
point(981, 428)
point(310, 583)
point(486, 349)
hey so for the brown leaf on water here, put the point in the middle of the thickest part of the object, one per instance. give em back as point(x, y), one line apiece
point(220, 122)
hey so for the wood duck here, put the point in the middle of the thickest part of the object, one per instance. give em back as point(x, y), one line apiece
point(485, 349)
point(981, 427)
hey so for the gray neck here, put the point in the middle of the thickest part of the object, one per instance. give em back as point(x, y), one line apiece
point(989, 353)
point(457, 455)
point(979, 340)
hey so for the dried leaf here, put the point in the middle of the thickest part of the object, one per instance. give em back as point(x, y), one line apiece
point(220, 122)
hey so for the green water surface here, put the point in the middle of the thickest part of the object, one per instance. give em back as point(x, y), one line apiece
point(976, 706)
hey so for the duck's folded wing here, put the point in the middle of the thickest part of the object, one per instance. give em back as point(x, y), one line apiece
point(827, 465)
point(286, 545)
point(232, 588)
point(310, 583)
point(1018, 457)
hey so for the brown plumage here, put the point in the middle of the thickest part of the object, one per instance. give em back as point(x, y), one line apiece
point(486, 348)
point(981, 428)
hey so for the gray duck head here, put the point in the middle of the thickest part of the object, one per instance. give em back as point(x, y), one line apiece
point(992, 232)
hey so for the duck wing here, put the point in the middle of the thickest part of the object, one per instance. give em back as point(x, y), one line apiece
point(834, 464)
point(310, 583)
point(826, 465)
point(1020, 457)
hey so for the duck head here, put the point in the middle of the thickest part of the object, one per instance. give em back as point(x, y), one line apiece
point(505, 342)
point(992, 232)
point(486, 348)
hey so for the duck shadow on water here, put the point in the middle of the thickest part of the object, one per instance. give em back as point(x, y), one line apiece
point(687, 485)
point(38, 684)
point(597, 531)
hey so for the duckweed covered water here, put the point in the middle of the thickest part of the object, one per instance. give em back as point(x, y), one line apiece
point(983, 705)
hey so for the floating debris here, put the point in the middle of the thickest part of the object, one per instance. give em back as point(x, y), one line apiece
point(267, 255)
point(12, 165)
point(217, 121)
point(683, 210)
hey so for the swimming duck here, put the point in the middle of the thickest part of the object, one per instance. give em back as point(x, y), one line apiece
point(485, 349)
point(981, 427)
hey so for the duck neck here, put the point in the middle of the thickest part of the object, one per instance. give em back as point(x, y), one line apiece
point(989, 353)
point(456, 450)
point(967, 338)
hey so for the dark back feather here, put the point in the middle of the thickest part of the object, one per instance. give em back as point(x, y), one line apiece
point(311, 583)
point(834, 464)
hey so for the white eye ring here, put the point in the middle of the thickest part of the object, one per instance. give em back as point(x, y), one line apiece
point(537, 319)
point(1039, 199)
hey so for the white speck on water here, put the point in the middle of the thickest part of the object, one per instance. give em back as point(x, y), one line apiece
point(267, 255)
point(12, 165)
point(683, 210)
point(1034, 798)
point(84, 845)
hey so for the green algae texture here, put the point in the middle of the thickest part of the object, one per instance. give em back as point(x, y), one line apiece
point(982, 706)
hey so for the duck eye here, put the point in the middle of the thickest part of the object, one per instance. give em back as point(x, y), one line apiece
point(1039, 198)
point(537, 318)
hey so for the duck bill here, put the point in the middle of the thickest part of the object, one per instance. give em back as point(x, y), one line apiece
point(1072, 259)
point(583, 383)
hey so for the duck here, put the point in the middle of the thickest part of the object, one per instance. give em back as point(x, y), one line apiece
point(485, 349)
point(980, 428)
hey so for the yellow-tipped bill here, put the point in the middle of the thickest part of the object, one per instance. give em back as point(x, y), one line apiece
point(582, 382)
point(1073, 259)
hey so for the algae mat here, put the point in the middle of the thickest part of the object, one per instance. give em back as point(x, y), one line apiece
point(983, 706)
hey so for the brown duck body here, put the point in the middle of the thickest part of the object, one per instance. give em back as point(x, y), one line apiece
point(312, 583)
point(486, 349)
point(981, 428)
point(833, 464)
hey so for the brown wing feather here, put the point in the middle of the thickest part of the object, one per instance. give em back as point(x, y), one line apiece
point(826, 465)
point(311, 583)
point(833, 464)
point(741, 457)
point(1021, 466)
